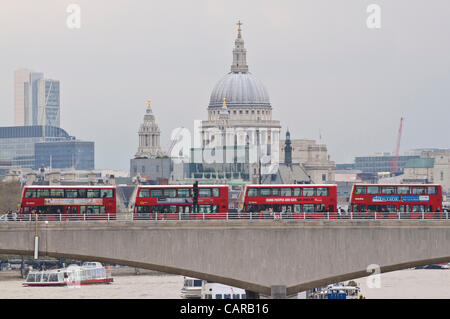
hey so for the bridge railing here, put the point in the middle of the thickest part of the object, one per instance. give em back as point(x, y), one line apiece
point(155, 217)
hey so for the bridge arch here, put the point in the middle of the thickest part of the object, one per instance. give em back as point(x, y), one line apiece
point(233, 282)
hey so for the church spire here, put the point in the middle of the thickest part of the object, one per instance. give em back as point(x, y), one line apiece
point(239, 53)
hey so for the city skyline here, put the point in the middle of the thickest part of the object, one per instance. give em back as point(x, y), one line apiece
point(325, 76)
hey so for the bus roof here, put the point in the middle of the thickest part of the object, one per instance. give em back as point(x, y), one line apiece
point(290, 185)
point(180, 186)
point(396, 185)
point(70, 186)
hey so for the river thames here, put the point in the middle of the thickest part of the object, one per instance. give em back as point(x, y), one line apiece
point(409, 284)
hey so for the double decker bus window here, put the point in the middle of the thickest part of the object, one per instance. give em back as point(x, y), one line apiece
point(419, 190)
point(419, 208)
point(320, 208)
point(308, 208)
point(252, 208)
point(172, 209)
point(432, 190)
point(216, 192)
point(30, 193)
point(71, 193)
point(204, 192)
point(156, 193)
point(275, 192)
point(184, 192)
point(106, 193)
point(102, 210)
point(93, 193)
point(93, 210)
point(360, 190)
point(143, 209)
point(252, 192)
point(170, 192)
point(144, 193)
point(286, 192)
point(277, 208)
point(388, 190)
point(391, 208)
point(265, 192)
point(322, 191)
point(297, 191)
point(405, 209)
point(403, 190)
point(372, 190)
point(43, 193)
point(56, 193)
point(204, 209)
point(297, 208)
point(308, 191)
point(82, 193)
point(157, 208)
point(82, 210)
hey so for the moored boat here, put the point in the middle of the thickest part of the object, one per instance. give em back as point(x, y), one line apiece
point(338, 291)
point(90, 273)
point(192, 288)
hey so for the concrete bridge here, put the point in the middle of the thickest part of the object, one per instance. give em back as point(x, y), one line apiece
point(269, 257)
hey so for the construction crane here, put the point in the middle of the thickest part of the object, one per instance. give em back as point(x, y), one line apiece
point(397, 150)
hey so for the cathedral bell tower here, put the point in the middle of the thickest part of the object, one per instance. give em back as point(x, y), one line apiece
point(149, 136)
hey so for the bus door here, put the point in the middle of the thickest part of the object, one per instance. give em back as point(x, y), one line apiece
point(405, 211)
point(184, 211)
point(70, 211)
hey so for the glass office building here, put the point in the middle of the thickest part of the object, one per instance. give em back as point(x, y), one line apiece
point(39, 102)
point(78, 155)
point(378, 164)
point(18, 144)
point(48, 103)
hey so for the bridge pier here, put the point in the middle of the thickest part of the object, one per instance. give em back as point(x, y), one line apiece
point(278, 292)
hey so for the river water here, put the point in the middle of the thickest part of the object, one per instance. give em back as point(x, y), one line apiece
point(410, 284)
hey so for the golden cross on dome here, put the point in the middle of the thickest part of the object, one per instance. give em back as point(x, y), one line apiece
point(239, 28)
point(224, 102)
point(148, 103)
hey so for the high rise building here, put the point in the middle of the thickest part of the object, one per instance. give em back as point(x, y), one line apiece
point(48, 103)
point(33, 146)
point(36, 99)
point(21, 78)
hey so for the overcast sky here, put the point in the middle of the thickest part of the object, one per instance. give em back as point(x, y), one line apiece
point(323, 68)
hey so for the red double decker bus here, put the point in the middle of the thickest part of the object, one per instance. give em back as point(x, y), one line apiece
point(394, 201)
point(174, 202)
point(69, 202)
point(293, 201)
